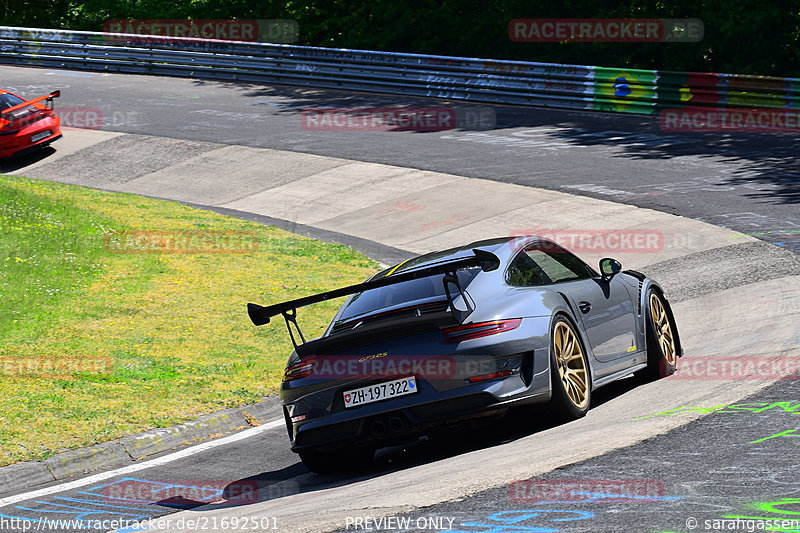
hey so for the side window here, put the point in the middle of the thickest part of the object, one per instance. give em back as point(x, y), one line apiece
point(524, 272)
point(545, 264)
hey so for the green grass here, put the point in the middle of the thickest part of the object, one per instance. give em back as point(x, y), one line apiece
point(171, 330)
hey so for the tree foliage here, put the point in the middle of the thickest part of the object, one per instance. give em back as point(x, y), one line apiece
point(741, 36)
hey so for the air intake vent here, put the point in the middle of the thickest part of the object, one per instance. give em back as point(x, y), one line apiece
point(639, 300)
point(345, 326)
point(418, 310)
point(433, 308)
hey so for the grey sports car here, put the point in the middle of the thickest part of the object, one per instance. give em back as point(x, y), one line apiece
point(465, 333)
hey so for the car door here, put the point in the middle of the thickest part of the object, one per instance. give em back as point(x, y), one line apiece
point(604, 307)
point(607, 315)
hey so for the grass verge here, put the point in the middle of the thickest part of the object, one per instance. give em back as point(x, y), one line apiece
point(138, 340)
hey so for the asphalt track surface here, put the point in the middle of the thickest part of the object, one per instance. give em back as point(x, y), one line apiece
point(708, 469)
point(747, 182)
point(733, 470)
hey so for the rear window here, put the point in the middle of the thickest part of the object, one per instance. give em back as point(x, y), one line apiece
point(9, 100)
point(416, 291)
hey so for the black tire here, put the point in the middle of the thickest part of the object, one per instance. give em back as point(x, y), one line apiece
point(567, 387)
point(660, 339)
point(332, 461)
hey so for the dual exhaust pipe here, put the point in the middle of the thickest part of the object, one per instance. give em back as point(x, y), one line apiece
point(380, 427)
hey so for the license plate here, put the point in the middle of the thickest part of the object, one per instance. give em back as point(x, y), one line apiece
point(41, 135)
point(380, 391)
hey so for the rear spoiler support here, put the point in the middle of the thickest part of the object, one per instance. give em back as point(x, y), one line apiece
point(487, 261)
point(290, 316)
point(459, 314)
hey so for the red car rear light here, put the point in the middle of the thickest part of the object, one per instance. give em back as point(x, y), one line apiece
point(481, 329)
point(484, 377)
point(300, 369)
point(6, 126)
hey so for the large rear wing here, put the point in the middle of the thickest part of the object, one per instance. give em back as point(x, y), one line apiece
point(487, 261)
point(48, 97)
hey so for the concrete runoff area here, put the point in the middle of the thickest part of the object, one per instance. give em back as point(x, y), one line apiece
point(721, 316)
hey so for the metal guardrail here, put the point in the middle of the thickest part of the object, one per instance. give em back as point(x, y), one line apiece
point(477, 80)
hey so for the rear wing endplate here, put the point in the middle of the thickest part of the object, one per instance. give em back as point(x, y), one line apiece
point(487, 261)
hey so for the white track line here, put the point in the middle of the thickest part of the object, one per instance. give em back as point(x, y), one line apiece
point(247, 433)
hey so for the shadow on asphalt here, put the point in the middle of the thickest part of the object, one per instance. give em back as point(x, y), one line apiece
point(769, 159)
point(12, 164)
point(295, 479)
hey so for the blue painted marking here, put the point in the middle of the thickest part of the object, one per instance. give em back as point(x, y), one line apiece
point(598, 496)
point(534, 513)
point(500, 529)
point(78, 516)
point(92, 504)
point(72, 74)
point(114, 506)
point(156, 487)
point(512, 520)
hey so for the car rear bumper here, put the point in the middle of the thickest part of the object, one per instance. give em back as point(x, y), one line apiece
point(20, 143)
point(403, 425)
point(464, 380)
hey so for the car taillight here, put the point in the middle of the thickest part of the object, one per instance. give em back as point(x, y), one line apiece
point(491, 375)
point(300, 369)
point(6, 126)
point(481, 329)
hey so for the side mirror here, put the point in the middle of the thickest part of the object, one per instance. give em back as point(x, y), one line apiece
point(609, 268)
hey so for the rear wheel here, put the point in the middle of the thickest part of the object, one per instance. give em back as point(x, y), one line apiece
point(331, 461)
point(569, 372)
point(662, 349)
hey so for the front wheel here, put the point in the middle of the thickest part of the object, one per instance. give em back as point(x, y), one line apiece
point(662, 349)
point(569, 372)
point(329, 462)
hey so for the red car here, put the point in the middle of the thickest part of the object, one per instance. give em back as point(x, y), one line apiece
point(27, 125)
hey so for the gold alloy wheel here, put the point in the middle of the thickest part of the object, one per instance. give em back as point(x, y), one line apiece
point(663, 330)
point(571, 365)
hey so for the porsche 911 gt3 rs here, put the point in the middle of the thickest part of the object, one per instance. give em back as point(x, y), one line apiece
point(27, 125)
point(464, 333)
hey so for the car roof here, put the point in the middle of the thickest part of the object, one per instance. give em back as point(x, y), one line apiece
point(433, 258)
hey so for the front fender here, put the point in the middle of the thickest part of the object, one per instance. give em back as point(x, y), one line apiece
point(649, 284)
